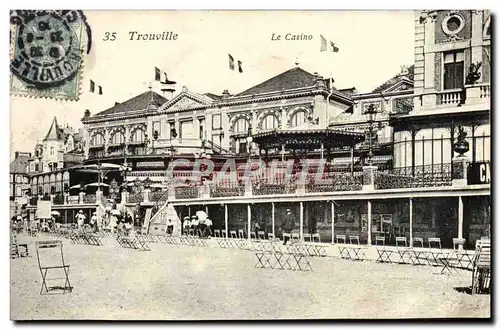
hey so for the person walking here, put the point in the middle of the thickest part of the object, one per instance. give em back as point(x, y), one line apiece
point(186, 225)
point(93, 222)
point(194, 225)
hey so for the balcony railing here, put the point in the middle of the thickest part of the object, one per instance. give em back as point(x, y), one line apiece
point(402, 105)
point(338, 182)
point(225, 191)
point(186, 192)
point(419, 176)
point(484, 91)
point(449, 97)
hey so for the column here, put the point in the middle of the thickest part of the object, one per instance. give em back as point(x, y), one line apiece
point(411, 222)
point(272, 218)
point(301, 220)
point(369, 241)
point(460, 220)
point(225, 220)
point(249, 224)
point(477, 38)
point(333, 222)
point(206, 209)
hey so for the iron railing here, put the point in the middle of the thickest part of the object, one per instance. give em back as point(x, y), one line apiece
point(226, 191)
point(337, 182)
point(186, 192)
point(413, 177)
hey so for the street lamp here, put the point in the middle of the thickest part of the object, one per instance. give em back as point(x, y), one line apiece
point(371, 111)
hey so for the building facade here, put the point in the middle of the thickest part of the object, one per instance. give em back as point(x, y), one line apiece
point(415, 161)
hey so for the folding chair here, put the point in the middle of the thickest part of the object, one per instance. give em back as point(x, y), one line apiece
point(233, 234)
point(15, 250)
point(270, 236)
point(307, 238)
point(252, 235)
point(435, 250)
point(43, 253)
point(481, 270)
point(403, 251)
point(380, 239)
point(354, 240)
point(217, 232)
point(419, 241)
point(295, 236)
point(223, 233)
point(463, 257)
point(340, 237)
point(314, 237)
point(262, 234)
point(241, 233)
point(286, 235)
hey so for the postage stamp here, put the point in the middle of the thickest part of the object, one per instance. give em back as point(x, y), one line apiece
point(47, 53)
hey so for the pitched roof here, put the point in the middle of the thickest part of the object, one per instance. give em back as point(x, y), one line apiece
point(293, 78)
point(395, 80)
point(55, 132)
point(18, 165)
point(213, 96)
point(139, 102)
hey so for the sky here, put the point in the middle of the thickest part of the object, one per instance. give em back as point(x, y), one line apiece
point(373, 45)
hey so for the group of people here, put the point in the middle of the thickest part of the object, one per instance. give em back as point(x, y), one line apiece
point(112, 221)
point(199, 223)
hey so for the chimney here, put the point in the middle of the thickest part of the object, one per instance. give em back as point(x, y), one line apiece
point(225, 94)
point(168, 93)
point(86, 114)
point(319, 83)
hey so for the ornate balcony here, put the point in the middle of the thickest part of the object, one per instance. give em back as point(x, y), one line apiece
point(419, 176)
point(221, 191)
point(338, 182)
point(449, 97)
point(186, 192)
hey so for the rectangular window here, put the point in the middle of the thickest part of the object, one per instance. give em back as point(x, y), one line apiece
point(171, 128)
point(201, 133)
point(51, 151)
point(216, 122)
point(157, 127)
point(453, 69)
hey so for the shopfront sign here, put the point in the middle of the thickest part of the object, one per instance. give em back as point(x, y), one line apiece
point(479, 173)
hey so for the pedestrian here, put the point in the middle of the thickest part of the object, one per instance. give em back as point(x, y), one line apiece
point(194, 225)
point(289, 224)
point(80, 219)
point(209, 224)
point(257, 229)
point(186, 225)
point(202, 217)
point(93, 222)
point(170, 227)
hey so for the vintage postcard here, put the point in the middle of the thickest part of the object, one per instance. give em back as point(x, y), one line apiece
point(250, 165)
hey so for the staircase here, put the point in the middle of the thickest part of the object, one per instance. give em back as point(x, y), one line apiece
point(217, 149)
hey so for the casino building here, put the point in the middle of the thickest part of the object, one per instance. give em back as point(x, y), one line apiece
point(411, 158)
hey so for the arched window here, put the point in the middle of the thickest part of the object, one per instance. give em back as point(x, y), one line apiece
point(241, 125)
point(97, 140)
point(269, 122)
point(298, 118)
point(118, 138)
point(138, 135)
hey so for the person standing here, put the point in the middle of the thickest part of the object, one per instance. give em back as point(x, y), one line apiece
point(93, 222)
point(194, 224)
point(186, 225)
point(289, 225)
point(209, 224)
point(80, 219)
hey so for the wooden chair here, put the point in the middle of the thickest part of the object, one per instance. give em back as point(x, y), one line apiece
point(307, 237)
point(295, 236)
point(262, 234)
point(252, 235)
point(418, 240)
point(216, 232)
point(434, 243)
point(233, 233)
point(340, 237)
point(380, 239)
point(401, 242)
point(241, 233)
point(17, 249)
point(354, 239)
point(286, 235)
point(316, 238)
point(223, 233)
point(50, 261)
point(481, 271)
point(270, 236)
